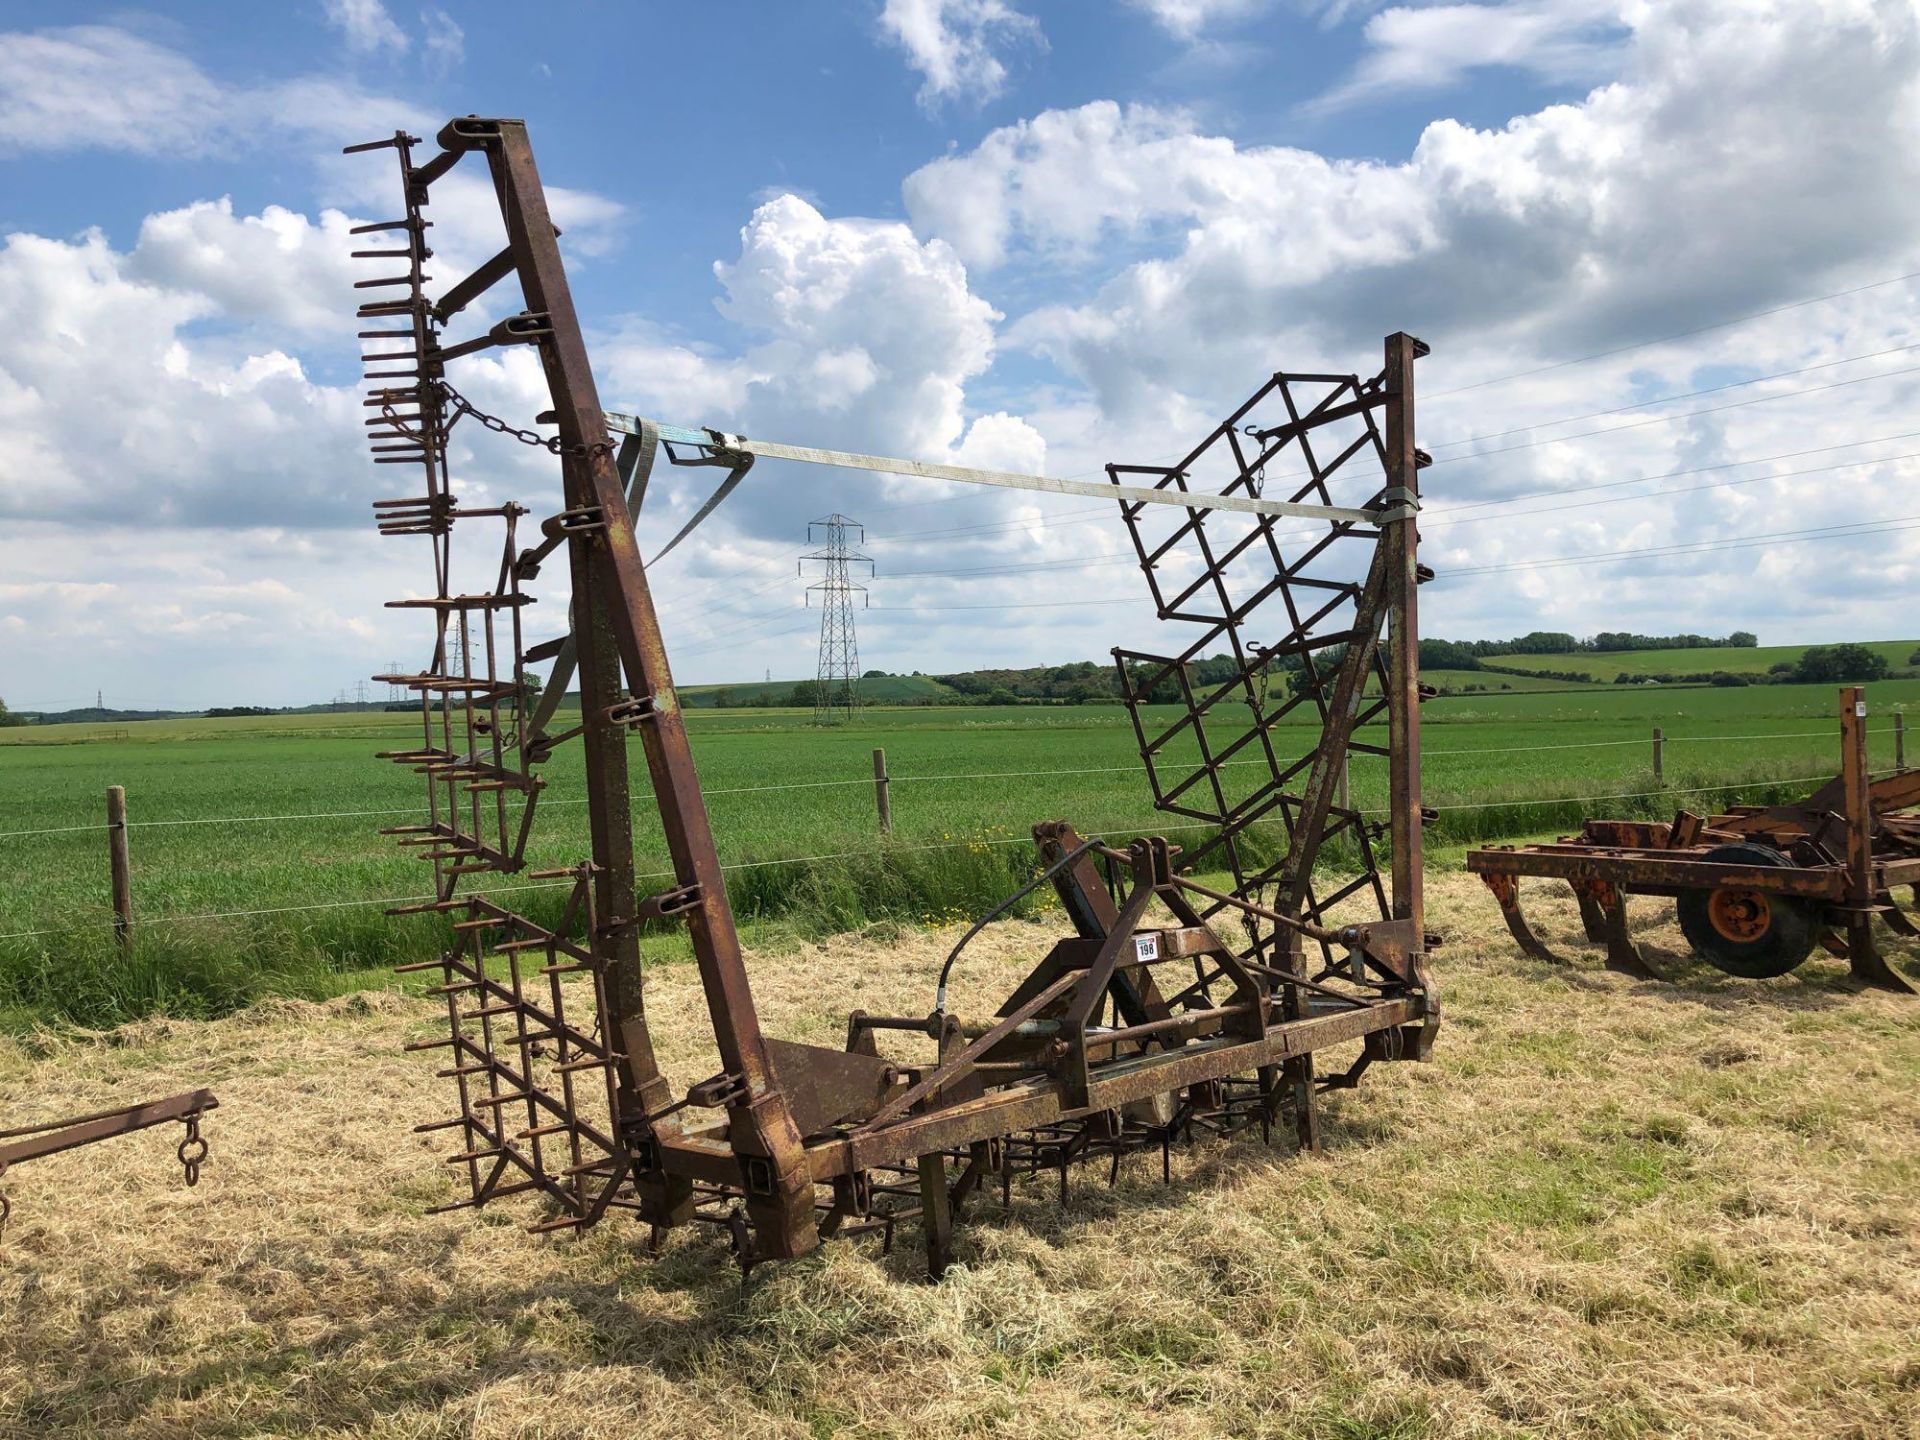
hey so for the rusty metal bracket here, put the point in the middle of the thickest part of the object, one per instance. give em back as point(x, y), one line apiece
point(51, 1137)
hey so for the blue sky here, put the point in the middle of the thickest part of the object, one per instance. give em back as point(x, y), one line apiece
point(1042, 235)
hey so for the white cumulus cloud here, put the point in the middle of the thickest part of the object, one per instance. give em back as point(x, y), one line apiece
point(1414, 49)
point(446, 43)
point(99, 87)
point(366, 26)
point(1188, 18)
point(1748, 154)
point(956, 45)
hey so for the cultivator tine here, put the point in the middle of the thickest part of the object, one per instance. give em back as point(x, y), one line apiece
point(1506, 890)
point(1593, 915)
point(1866, 966)
point(1896, 918)
point(1622, 954)
point(471, 691)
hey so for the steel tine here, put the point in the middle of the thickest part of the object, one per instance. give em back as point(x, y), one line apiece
point(1622, 954)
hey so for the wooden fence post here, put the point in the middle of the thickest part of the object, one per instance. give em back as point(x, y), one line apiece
point(1899, 739)
point(1341, 798)
point(880, 797)
point(1659, 759)
point(121, 867)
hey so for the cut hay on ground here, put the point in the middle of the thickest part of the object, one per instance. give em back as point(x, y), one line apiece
point(1608, 1208)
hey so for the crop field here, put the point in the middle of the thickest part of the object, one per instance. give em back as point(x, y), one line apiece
point(1736, 660)
point(1457, 682)
point(276, 818)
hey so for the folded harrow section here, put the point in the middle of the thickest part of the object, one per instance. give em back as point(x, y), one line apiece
point(1152, 1022)
point(481, 737)
point(473, 693)
point(537, 1107)
point(1298, 648)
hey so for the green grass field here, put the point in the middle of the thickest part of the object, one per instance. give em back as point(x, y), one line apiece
point(1750, 660)
point(1459, 682)
point(206, 800)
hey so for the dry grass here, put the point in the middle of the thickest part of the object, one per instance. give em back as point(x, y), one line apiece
point(1608, 1209)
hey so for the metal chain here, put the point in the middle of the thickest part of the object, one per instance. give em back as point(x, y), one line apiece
point(464, 406)
point(193, 1150)
point(513, 432)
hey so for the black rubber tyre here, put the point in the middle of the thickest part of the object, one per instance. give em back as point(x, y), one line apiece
point(1748, 933)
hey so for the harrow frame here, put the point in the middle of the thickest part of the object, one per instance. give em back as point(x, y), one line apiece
point(1091, 1055)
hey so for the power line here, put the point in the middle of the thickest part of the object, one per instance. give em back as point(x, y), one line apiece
point(1676, 490)
point(1683, 395)
point(1739, 542)
point(1677, 335)
point(1044, 522)
point(1446, 512)
point(750, 640)
point(1670, 419)
point(1017, 567)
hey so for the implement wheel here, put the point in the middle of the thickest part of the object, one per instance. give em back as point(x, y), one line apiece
point(1747, 932)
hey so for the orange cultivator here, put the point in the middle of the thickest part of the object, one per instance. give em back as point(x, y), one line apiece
point(1756, 888)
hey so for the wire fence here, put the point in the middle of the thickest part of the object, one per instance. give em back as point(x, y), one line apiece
point(908, 777)
point(879, 853)
point(882, 777)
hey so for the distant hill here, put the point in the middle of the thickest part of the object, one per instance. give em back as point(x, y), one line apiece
point(1453, 667)
point(1753, 661)
point(874, 690)
point(98, 715)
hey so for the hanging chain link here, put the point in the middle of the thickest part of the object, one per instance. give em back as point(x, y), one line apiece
point(1257, 481)
point(193, 1150)
point(464, 406)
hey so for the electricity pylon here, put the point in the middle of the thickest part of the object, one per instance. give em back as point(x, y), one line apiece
point(837, 695)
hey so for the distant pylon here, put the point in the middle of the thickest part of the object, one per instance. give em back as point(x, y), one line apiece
point(838, 693)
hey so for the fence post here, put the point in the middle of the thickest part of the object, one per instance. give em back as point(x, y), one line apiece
point(1341, 797)
point(880, 799)
point(121, 866)
point(1899, 739)
point(1659, 759)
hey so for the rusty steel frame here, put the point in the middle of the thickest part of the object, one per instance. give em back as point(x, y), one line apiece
point(1329, 618)
point(1098, 1053)
point(1850, 844)
point(34, 1142)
